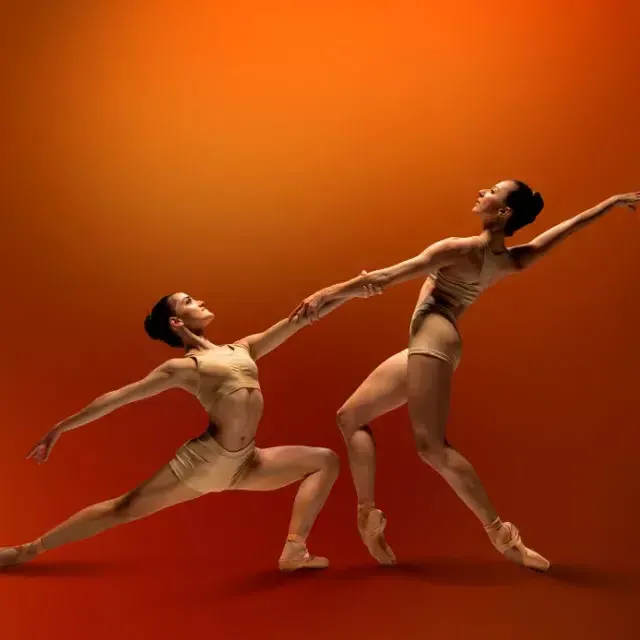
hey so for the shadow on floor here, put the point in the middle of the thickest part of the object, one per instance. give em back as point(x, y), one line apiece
point(74, 569)
point(437, 571)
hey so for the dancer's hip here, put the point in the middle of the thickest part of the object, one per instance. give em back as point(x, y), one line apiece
point(433, 332)
point(205, 466)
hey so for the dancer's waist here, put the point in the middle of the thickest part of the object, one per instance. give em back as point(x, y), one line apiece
point(436, 304)
point(231, 437)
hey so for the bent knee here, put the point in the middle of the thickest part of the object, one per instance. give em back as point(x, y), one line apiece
point(329, 461)
point(432, 452)
point(347, 421)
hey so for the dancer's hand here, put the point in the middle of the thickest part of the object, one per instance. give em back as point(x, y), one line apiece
point(42, 449)
point(369, 290)
point(629, 200)
point(309, 308)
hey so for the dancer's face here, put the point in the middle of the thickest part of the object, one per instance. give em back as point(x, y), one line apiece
point(191, 312)
point(491, 204)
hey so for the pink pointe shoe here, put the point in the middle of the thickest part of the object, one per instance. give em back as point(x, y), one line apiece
point(506, 539)
point(371, 524)
point(12, 556)
point(295, 556)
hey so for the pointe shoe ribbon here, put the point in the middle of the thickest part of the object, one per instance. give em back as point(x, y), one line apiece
point(296, 556)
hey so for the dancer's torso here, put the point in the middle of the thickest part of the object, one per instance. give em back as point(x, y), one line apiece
point(452, 290)
point(226, 384)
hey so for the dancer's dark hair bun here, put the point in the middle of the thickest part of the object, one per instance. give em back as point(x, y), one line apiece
point(157, 326)
point(151, 328)
point(537, 203)
point(525, 205)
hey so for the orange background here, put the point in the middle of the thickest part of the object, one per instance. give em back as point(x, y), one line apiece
point(249, 153)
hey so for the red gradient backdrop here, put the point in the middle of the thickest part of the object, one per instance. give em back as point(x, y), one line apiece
point(250, 153)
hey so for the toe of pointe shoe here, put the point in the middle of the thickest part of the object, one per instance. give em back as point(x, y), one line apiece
point(9, 556)
point(533, 560)
point(371, 532)
point(308, 562)
point(385, 555)
point(528, 558)
point(380, 550)
point(513, 548)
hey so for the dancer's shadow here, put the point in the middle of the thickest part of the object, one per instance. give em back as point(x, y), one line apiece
point(587, 577)
point(438, 571)
point(70, 569)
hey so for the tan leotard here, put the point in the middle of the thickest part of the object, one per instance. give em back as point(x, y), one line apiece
point(202, 463)
point(223, 370)
point(433, 329)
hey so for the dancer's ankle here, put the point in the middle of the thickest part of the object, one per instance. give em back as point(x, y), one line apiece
point(493, 527)
point(296, 537)
point(366, 506)
point(35, 548)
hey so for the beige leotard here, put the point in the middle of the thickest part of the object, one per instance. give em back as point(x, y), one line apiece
point(433, 329)
point(202, 463)
point(223, 370)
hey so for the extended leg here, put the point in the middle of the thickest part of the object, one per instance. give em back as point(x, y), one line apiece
point(159, 492)
point(429, 385)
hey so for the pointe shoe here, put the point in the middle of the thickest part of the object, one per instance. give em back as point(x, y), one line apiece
point(508, 542)
point(11, 556)
point(295, 556)
point(371, 524)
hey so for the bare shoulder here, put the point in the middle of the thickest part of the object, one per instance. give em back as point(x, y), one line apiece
point(177, 367)
point(249, 344)
point(455, 246)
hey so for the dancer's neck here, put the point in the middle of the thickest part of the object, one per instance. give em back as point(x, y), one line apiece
point(196, 342)
point(494, 240)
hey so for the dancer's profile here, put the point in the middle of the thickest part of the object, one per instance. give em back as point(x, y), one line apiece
point(457, 270)
point(224, 378)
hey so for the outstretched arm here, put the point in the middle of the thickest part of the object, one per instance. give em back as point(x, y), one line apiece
point(526, 254)
point(164, 377)
point(168, 375)
point(260, 344)
point(434, 257)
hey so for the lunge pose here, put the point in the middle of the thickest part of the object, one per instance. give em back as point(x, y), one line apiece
point(224, 378)
point(457, 270)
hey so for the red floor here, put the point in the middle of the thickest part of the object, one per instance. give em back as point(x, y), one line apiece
point(181, 593)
